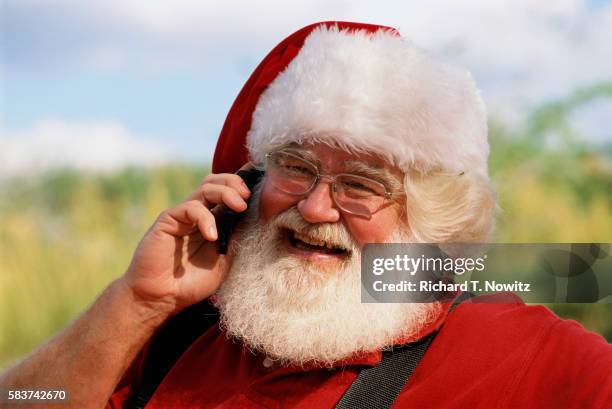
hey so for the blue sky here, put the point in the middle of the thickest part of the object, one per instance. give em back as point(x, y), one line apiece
point(147, 81)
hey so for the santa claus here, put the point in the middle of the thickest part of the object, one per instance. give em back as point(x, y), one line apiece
point(361, 137)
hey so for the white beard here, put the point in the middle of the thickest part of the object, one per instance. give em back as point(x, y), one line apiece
point(297, 312)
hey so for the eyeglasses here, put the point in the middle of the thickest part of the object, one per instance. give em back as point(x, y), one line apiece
point(353, 194)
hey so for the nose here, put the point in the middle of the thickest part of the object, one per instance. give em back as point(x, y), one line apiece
point(319, 206)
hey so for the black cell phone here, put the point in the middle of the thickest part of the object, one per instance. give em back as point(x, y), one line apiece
point(229, 219)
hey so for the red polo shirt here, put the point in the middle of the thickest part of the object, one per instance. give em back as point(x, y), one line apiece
point(486, 355)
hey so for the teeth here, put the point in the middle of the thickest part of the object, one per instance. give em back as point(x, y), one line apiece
point(313, 241)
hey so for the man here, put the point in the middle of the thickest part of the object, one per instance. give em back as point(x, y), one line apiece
point(363, 139)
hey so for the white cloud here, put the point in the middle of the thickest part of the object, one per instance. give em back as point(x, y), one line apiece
point(541, 46)
point(147, 35)
point(521, 52)
point(86, 145)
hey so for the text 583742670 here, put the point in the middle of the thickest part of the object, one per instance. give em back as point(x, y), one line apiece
point(32, 395)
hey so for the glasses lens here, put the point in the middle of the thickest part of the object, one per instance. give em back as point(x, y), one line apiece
point(359, 195)
point(289, 173)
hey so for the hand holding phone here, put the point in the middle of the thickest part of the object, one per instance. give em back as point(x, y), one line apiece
point(176, 264)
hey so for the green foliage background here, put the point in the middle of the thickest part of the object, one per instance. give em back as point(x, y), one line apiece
point(64, 236)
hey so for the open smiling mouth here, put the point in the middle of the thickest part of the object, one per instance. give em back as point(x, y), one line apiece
point(307, 243)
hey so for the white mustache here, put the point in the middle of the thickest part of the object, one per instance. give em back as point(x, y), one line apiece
point(335, 234)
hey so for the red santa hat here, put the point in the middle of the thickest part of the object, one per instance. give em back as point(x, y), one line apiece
point(362, 88)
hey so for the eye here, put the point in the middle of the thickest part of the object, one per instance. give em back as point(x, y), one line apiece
point(296, 169)
point(293, 166)
point(361, 187)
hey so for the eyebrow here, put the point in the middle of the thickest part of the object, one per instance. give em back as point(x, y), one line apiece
point(373, 171)
point(304, 154)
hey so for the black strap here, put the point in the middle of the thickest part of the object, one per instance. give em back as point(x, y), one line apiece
point(167, 346)
point(379, 386)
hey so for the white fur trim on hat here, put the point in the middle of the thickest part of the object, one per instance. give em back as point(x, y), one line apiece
point(374, 93)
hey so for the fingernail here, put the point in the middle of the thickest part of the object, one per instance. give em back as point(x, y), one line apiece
point(212, 232)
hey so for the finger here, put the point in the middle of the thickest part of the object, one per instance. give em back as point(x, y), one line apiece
point(233, 181)
point(219, 194)
point(228, 179)
point(181, 220)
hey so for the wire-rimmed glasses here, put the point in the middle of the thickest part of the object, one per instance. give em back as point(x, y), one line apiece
point(354, 194)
